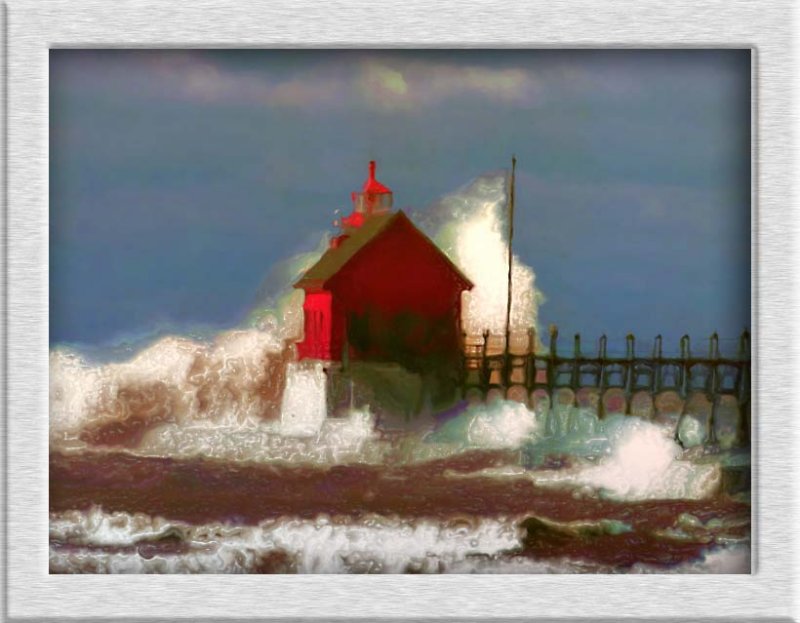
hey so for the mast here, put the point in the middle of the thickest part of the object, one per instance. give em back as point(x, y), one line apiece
point(510, 254)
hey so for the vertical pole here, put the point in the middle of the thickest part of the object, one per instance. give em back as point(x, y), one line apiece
point(744, 345)
point(602, 354)
point(684, 383)
point(510, 267)
point(743, 387)
point(485, 372)
point(713, 346)
point(630, 370)
point(713, 387)
point(530, 370)
point(551, 364)
point(685, 380)
point(743, 392)
point(630, 355)
point(576, 364)
point(714, 378)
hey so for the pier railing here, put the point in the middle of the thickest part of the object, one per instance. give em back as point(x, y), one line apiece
point(529, 371)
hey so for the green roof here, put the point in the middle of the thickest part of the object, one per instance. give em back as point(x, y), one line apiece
point(333, 260)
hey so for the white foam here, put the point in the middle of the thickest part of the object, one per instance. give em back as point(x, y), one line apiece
point(73, 387)
point(211, 395)
point(175, 380)
point(471, 228)
point(643, 462)
point(501, 424)
point(373, 544)
point(390, 546)
point(97, 527)
point(324, 545)
point(348, 439)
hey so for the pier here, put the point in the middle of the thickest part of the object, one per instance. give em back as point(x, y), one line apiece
point(711, 386)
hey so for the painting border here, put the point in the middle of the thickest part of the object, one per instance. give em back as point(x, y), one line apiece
point(33, 27)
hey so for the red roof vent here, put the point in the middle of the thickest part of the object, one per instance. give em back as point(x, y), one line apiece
point(372, 185)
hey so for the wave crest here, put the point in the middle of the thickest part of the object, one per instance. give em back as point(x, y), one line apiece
point(237, 378)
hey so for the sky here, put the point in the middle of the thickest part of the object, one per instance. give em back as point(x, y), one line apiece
point(180, 178)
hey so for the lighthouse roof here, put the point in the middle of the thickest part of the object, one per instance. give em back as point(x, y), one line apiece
point(333, 260)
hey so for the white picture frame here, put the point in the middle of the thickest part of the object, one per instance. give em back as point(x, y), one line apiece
point(33, 27)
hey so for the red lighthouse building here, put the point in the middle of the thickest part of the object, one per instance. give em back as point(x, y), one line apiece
point(383, 291)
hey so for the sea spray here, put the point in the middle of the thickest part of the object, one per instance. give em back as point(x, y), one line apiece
point(236, 379)
point(97, 541)
point(470, 226)
point(279, 307)
point(372, 544)
point(503, 424)
point(641, 461)
point(620, 457)
point(495, 425)
point(351, 439)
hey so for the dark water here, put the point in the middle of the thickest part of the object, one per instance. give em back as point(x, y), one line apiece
point(117, 512)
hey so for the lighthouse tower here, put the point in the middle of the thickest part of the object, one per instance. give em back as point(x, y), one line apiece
point(374, 198)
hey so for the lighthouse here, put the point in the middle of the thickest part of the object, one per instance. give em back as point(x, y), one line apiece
point(383, 291)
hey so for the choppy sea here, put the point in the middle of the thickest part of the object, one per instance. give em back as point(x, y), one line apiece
point(495, 488)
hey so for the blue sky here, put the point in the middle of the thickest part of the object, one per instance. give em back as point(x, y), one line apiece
point(179, 178)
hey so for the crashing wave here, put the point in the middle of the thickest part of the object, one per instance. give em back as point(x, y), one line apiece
point(470, 226)
point(642, 461)
point(125, 543)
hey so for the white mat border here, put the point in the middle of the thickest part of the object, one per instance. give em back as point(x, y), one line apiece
point(33, 27)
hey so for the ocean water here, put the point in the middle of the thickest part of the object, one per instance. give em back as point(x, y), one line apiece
point(304, 493)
